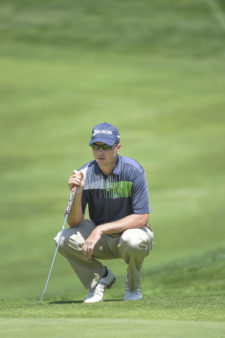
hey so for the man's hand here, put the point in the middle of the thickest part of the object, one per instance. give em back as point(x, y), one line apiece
point(78, 179)
point(90, 242)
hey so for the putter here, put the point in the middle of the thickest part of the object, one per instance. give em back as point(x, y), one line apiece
point(67, 212)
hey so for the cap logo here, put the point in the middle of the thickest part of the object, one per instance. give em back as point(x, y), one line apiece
point(101, 131)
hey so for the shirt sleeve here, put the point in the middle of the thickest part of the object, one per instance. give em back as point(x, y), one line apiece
point(140, 196)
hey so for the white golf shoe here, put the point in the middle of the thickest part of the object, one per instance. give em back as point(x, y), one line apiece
point(133, 294)
point(96, 294)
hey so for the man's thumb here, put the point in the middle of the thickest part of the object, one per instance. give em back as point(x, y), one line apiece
point(82, 175)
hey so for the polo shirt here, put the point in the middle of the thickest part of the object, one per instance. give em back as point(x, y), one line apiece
point(122, 193)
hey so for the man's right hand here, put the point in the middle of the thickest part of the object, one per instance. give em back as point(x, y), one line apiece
point(77, 179)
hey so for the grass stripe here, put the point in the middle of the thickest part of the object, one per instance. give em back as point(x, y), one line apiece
point(58, 327)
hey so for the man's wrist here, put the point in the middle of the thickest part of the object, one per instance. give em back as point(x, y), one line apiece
point(79, 189)
point(99, 230)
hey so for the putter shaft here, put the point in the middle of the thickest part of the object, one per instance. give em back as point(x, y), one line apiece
point(67, 212)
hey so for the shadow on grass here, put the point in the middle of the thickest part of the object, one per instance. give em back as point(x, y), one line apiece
point(81, 301)
point(66, 302)
point(114, 300)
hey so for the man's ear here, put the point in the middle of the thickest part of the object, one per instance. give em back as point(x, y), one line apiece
point(119, 147)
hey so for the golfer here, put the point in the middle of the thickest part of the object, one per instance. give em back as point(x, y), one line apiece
point(114, 188)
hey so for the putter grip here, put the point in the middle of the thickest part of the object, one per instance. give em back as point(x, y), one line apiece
point(70, 202)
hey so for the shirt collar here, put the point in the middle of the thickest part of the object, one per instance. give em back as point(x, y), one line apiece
point(116, 169)
point(97, 169)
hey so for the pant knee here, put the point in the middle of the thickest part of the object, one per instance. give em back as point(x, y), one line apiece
point(135, 240)
point(69, 240)
point(59, 238)
point(62, 238)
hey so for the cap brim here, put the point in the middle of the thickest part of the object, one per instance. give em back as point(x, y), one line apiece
point(107, 141)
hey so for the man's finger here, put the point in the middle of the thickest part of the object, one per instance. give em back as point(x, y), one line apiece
point(87, 250)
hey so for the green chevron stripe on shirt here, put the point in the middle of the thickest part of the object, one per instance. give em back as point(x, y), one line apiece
point(120, 189)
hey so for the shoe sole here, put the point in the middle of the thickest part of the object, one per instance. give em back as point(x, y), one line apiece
point(132, 300)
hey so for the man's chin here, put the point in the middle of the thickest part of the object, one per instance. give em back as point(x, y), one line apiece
point(101, 161)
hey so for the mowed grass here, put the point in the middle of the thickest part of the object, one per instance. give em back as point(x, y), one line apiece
point(112, 327)
point(155, 70)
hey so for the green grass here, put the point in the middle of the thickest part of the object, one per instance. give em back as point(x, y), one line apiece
point(181, 299)
point(155, 70)
point(58, 327)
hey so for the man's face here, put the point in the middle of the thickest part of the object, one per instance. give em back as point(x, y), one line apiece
point(106, 158)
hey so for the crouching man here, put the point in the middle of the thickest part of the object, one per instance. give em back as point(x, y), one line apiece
point(114, 188)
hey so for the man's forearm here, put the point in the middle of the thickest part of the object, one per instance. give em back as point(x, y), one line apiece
point(128, 222)
point(76, 215)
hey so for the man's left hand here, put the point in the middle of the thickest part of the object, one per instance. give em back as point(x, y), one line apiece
point(90, 243)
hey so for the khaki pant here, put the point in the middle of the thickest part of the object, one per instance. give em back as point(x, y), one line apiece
point(132, 246)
